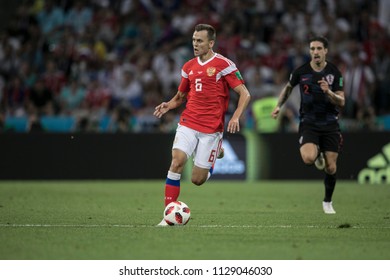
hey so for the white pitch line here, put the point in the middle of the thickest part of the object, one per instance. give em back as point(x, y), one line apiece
point(200, 226)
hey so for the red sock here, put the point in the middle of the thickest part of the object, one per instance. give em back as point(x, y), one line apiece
point(172, 187)
point(171, 193)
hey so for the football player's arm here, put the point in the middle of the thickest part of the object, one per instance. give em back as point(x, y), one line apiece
point(243, 101)
point(175, 102)
point(337, 97)
point(283, 96)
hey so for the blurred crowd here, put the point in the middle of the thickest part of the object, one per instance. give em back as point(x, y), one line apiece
point(108, 63)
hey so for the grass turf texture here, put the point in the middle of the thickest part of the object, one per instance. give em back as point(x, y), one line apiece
point(270, 220)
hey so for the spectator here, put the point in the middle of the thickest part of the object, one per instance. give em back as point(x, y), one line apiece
point(98, 96)
point(359, 86)
point(294, 20)
point(381, 67)
point(53, 77)
point(41, 100)
point(71, 97)
point(9, 59)
point(129, 92)
point(51, 19)
point(27, 75)
point(261, 110)
point(78, 17)
point(15, 97)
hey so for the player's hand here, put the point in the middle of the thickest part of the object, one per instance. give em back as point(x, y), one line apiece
point(233, 126)
point(324, 85)
point(275, 112)
point(161, 109)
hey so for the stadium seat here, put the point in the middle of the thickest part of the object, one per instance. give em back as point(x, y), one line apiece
point(104, 123)
point(58, 123)
point(384, 122)
point(17, 124)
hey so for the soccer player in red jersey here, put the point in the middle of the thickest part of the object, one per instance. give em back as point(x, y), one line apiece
point(205, 83)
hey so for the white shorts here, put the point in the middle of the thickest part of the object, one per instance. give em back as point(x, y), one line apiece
point(204, 147)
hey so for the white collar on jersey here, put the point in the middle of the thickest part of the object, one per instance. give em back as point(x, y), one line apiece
point(205, 62)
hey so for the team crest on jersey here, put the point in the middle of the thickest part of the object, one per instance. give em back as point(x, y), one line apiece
point(329, 78)
point(211, 71)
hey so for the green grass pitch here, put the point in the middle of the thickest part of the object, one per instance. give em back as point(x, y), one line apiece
point(264, 220)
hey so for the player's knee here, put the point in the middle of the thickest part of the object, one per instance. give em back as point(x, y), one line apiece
point(331, 168)
point(198, 181)
point(308, 160)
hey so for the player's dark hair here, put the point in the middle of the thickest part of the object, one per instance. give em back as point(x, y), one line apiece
point(321, 39)
point(211, 33)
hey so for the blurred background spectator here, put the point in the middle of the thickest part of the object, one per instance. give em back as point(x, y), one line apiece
point(107, 63)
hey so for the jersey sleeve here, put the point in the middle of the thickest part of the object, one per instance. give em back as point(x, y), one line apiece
point(339, 83)
point(294, 78)
point(234, 78)
point(184, 85)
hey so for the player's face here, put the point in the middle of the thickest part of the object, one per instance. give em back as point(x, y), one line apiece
point(201, 43)
point(318, 52)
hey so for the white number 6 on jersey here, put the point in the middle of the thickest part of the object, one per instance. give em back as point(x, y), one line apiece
point(198, 85)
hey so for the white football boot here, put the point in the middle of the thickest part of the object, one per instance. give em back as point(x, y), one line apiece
point(163, 223)
point(328, 208)
point(320, 161)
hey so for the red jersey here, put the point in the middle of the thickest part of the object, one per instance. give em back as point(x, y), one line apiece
point(207, 84)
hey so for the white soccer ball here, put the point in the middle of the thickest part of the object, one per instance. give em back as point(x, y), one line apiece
point(177, 213)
